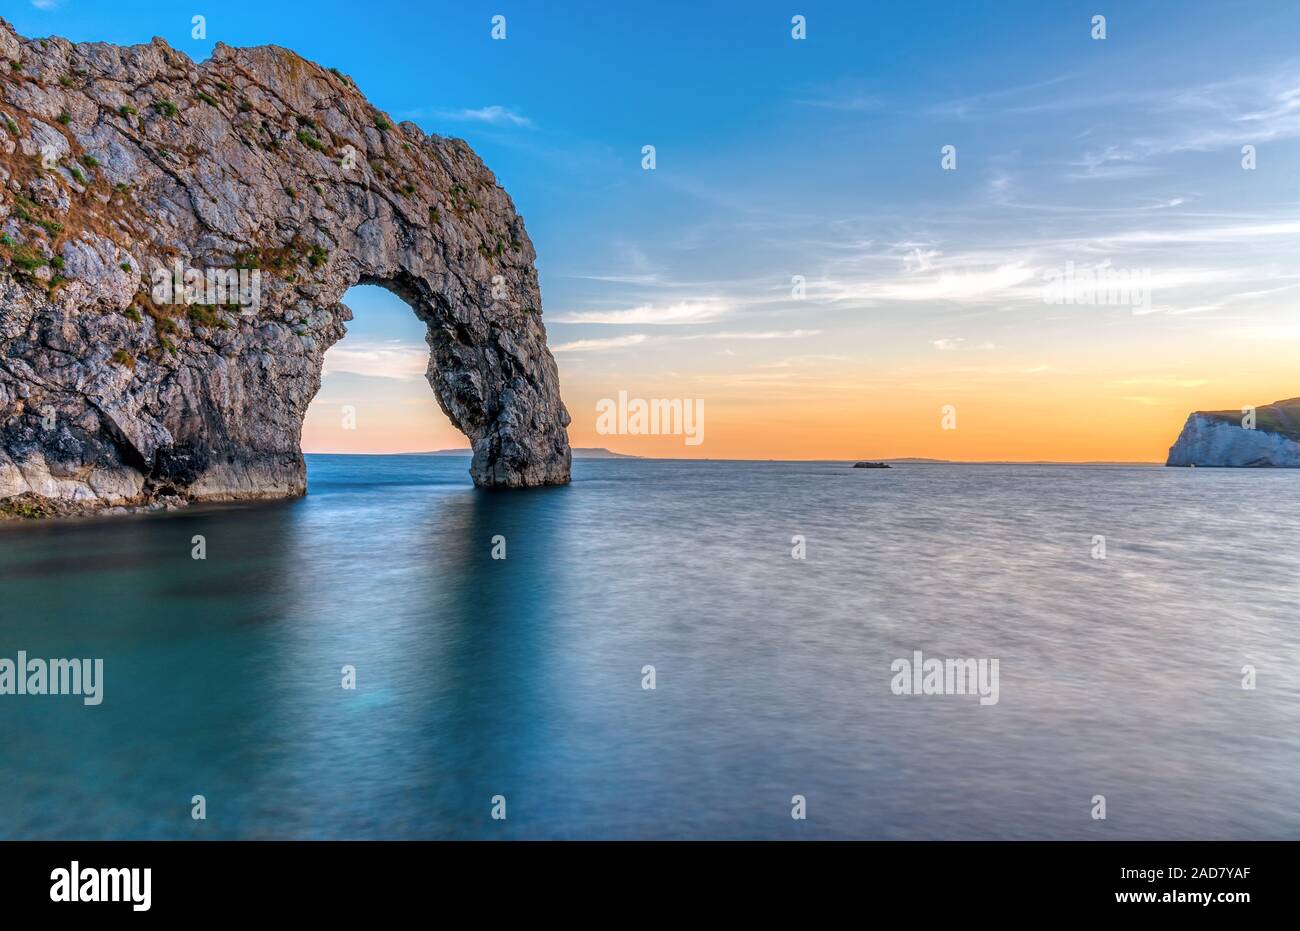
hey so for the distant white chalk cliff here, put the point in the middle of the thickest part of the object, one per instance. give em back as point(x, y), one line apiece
point(1219, 438)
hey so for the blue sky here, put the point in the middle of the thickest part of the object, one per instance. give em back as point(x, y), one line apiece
point(820, 158)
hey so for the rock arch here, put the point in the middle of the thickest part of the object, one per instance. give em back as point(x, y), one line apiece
point(126, 168)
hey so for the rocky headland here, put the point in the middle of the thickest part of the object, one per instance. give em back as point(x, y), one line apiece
point(136, 184)
point(1225, 438)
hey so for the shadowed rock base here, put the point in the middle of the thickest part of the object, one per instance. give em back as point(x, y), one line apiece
point(124, 167)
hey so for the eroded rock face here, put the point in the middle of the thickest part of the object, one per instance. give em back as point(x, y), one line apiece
point(116, 162)
point(1217, 438)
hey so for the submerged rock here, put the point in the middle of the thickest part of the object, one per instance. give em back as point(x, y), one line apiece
point(130, 169)
point(1218, 438)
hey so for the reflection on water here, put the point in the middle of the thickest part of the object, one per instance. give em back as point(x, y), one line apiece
point(522, 677)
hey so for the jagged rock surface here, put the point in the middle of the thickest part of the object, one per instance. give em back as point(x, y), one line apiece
point(1217, 438)
point(118, 161)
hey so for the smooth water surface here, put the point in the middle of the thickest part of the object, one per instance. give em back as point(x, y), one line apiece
point(523, 677)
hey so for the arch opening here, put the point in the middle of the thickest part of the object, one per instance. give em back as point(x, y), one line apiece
point(375, 396)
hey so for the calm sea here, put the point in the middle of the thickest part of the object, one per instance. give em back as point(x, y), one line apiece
point(522, 677)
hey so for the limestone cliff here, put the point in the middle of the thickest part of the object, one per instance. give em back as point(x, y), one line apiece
point(127, 169)
point(1218, 438)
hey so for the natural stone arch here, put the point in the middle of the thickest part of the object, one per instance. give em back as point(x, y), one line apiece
point(515, 424)
point(254, 160)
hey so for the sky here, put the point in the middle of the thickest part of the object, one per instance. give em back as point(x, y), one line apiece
point(929, 294)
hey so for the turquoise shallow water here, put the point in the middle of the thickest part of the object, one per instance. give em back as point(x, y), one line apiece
point(522, 677)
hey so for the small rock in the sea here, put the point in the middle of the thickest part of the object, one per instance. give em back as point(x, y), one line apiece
point(871, 465)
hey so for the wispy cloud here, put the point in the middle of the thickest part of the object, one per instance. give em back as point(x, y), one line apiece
point(1207, 234)
point(698, 311)
point(1110, 164)
point(762, 335)
point(848, 98)
point(854, 103)
point(1268, 332)
point(977, 105)
point(970, 284)
point(951, 343)
point(494, 115)
point(388, 359)
point(598, 345)
point(46, 4)
point(619, 279)
point(1165, 381)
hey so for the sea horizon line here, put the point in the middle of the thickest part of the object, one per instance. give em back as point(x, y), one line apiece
point(907, 460)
